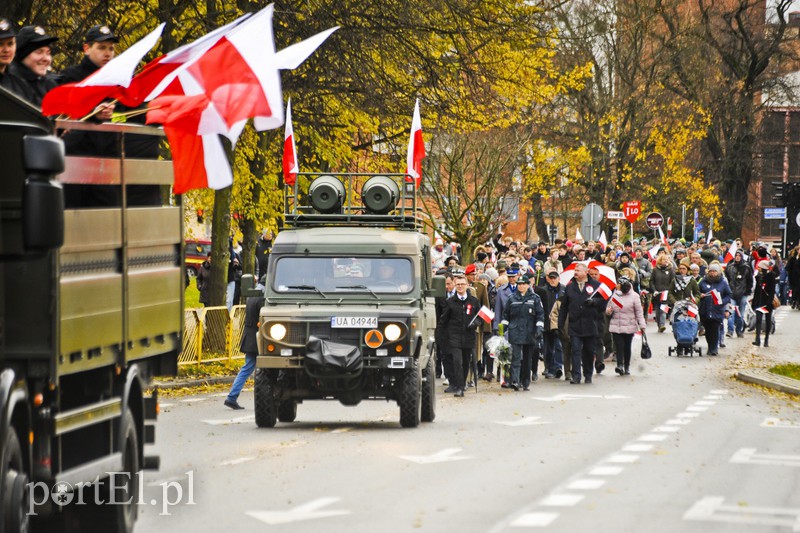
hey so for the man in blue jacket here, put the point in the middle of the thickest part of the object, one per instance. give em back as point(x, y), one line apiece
point(715, 295)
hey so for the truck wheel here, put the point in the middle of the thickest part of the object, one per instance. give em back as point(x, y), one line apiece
point(120, 516)
point(264, 403)
point(14, 493)
point(409, 396)
point(429, 390)
point(287, 410)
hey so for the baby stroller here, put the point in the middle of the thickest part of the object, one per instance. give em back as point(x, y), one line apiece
point(685, 324)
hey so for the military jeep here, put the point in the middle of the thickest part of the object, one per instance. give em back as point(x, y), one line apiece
point(349, 301)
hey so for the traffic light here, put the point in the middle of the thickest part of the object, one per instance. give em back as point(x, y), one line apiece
point(200, 216)
point(612, 232)
point(780, 197)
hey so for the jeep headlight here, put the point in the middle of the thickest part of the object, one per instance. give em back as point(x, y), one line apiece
point(392, 332)
point(277, 331)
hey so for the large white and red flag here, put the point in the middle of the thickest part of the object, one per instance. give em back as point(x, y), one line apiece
point(416, 149)
point(290, 166)
point(603, 240)
point(607, 274)
point(729, 255)
point(653, 252)
point(109, 81)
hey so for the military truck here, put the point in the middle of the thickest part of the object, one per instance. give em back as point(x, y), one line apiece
point(90, 308)
point(349, 300)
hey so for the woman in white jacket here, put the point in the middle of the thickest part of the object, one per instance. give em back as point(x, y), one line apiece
point(625, 310)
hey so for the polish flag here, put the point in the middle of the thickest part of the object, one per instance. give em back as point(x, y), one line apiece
point(603, 240)
point(763, 309)
point(290, 166)
point(79, 99)
point(616, 301)
point(486, 314)
point(605, 291)
point(664, 296)
point(653, 252)
point(716, 297)
point(663, 238)
point(578, 236)
point(416, 149)
point(691, 311)
point(607, 274)
point(730, 253)
point(665, 308)
point(710, 234)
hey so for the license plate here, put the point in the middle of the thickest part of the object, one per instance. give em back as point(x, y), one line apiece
point(354, 322)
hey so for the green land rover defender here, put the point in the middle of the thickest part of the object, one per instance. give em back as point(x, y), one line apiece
point(349, 301)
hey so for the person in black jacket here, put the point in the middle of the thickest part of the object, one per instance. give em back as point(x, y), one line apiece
point(582, 305)
point(8, 48)
point(444, 363)
point(459, 320)
point(763, 297)
point(248, 346)
point(549, 294)
point(740, 278)
point(32, 63)
point(524, 317)
point(204, 281)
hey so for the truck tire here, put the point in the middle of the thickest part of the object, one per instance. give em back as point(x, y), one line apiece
point(287, 410)
point(409, 396)
point(14, 492)
point(429, 390)
point(121, 517)
point(265, 405)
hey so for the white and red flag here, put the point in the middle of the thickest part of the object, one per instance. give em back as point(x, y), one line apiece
point(607, 273)
point(416, 149)
point(616, 301)
point(605, 291)
point(578, 236)
point(691, 311)
point(716, 297)
point(653, 252)
point(664, 296)
point(665, 308)
point(108, 82)
point(729, 255)
point(763, 309)
point(290, 166)
point(486, 314)
point(603, 240)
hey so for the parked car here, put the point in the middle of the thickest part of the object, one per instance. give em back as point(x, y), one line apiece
point(196, 251)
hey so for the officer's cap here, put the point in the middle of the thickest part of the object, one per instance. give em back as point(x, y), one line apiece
point(32, 38)
point(99, 34)
point(6, 29)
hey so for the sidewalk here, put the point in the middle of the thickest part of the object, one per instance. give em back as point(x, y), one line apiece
point(783, 349)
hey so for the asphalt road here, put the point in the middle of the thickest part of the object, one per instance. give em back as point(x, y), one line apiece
point(677, 446)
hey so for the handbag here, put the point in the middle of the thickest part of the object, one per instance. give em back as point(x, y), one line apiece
point(646, 352)
point(776, 303)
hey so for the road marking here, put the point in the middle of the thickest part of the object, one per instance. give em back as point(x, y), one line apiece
point(606, 471)
point(705, 402)
point(227, 421)
point(526, 421)
point(652, 438)
point(586, 484)
point(697, 408)
point(193, 400)
point(637, 448)
point(623, 458)
point(307, 511)
point(678, 422)
point(534, 520)
point(779, 423)
point(711, 509)
point(751, 457)
point(719, 391)
point(567, 397)
point(238, 461)
point(443, 456)
point(343, 430)
point(712, 397)
point(561, 500)
point(667, 429)
point(688, 415)
point(165, 405)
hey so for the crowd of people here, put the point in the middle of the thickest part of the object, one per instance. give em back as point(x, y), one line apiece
point(570, 307)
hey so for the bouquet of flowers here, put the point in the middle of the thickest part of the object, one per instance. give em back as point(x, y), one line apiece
point(500, 349)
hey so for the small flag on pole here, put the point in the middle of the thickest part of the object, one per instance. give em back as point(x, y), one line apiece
point(486, 314)
point(616, 302)
point(664, 296)
point(716, 296)
point(605, 291)
point(691, 311)
point(763, 309)
point(665, 308)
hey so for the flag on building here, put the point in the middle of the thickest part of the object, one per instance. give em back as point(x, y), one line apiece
point(290, 166)
point(416, 149)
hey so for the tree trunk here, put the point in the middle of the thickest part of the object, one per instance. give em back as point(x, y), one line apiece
point(250, 236)
point(220, 248)
point(538, 218)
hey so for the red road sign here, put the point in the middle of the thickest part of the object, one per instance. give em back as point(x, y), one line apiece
point(632, 210)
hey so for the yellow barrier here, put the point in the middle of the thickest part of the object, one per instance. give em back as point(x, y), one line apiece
point(211, 334)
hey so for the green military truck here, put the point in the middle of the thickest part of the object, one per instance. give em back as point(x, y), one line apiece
point(349, 301)
point(90, 308)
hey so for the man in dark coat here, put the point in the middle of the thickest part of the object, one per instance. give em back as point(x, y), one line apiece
point(549, 294)
point(459, 320)
point(524, 317)
point(248, 346)
point(444, 363)
point(263, 249)
point(8, 48)
point(740, 278)
point(582, 305)
point(204, 281)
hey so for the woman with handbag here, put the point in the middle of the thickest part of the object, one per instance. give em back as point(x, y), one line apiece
point(625, 309)
point(763, 300)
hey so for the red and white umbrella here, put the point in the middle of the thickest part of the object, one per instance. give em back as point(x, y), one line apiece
point(607, 274)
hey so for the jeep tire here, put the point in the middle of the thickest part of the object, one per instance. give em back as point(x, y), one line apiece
point(429, 390)
point(265, 404)
point(287, 410)
point(409, 396)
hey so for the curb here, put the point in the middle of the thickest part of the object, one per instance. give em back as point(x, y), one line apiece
point(192, 383)
point(767, 379)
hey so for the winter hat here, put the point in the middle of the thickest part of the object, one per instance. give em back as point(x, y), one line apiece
point(763, 264)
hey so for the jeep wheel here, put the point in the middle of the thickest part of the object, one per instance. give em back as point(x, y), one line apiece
point(13, 492)
point(429, 390)
point(265, 404)
point(119, 510)
point(409, 396)
point(287, 410)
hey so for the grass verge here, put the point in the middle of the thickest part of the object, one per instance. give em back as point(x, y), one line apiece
point(789, 370)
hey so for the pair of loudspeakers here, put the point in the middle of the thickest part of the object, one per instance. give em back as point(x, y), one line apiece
point(379, 194)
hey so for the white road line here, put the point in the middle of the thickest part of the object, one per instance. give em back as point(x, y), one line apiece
point(697, 408)
point(525, 421)
point(442, 456)
point(779, 423)
point(711, 509)
point(667, 429)
point(238, 461)
point(606, 471)
point(652, 438)
point(637, 448)
point(194, 400)
point(165, 405)
point(586, 484)
point(235, 420)
point(719, 391)
point(678, 422)
point(687, 415)
point(705, 402)
point(623, 458)
point(751, 457)
point(712, 397)
point(561, 500)
point(534, 520)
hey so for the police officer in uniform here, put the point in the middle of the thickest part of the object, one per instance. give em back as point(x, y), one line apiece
point(524, 316)
point(32, 63)
point(459, 321)
point(8, 48)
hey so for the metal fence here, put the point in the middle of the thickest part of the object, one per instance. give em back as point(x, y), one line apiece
point(211, 334)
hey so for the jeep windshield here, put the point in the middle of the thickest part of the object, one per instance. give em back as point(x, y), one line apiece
point(374, 275)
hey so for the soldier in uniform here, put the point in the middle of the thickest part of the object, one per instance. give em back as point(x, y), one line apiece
point(458, 320)
point(32, 63)
point(8, 48)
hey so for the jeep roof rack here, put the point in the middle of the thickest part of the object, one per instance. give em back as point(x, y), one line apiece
point(350, 210)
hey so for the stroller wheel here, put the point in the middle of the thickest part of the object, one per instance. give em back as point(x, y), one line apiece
point(700, 352)
point(669, 352)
